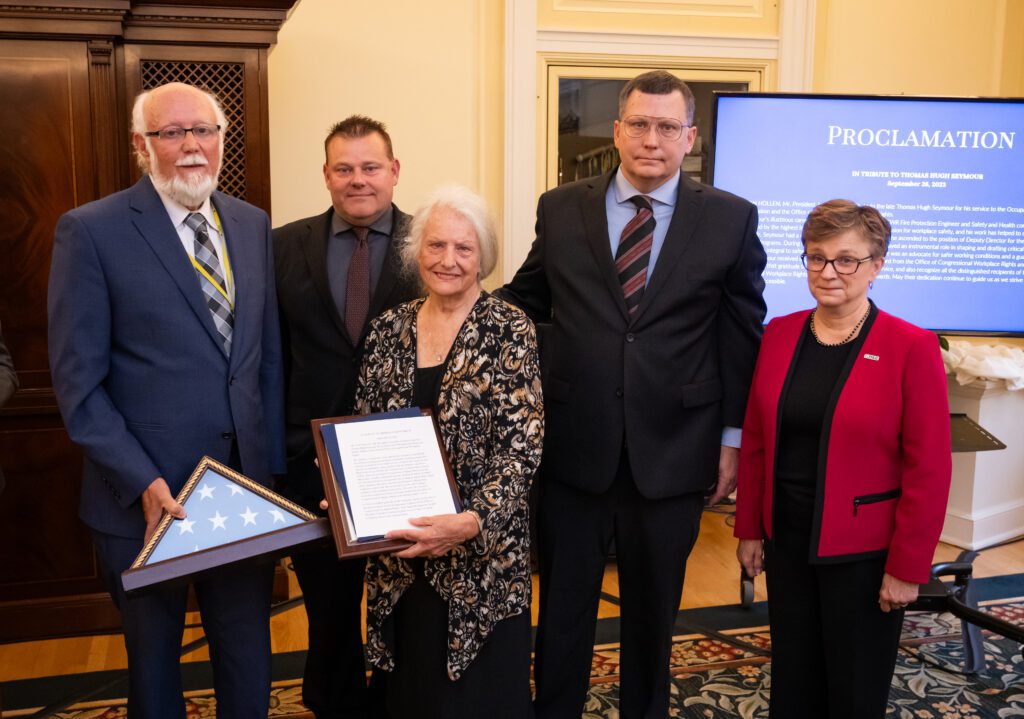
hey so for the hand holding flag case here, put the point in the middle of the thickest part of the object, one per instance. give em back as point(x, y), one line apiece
point(230, 519)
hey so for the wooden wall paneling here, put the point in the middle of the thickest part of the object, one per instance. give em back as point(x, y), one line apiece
point(64, 18)
point(51, 166)
point(252, 23)
point(110, 133)
point(49, 169)
point(69, 71)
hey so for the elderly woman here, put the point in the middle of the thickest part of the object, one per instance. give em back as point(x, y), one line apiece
point(844, 474)
point(448, 620)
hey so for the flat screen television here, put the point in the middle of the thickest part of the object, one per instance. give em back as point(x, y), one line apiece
point(948, 174)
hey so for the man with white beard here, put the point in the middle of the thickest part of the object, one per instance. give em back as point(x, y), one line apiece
point(164, 347)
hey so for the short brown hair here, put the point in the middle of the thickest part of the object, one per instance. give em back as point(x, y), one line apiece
point(359, 126)
point(658, 82)
point(838, 216)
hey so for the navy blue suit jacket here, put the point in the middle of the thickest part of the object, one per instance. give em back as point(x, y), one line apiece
point(139, 371)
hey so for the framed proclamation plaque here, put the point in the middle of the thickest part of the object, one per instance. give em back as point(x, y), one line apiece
point(380, 470)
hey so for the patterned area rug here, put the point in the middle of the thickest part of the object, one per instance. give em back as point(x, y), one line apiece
point(714, 679)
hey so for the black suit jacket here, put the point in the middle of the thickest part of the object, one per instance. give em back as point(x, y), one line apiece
point(321, 360)
point(664, 381)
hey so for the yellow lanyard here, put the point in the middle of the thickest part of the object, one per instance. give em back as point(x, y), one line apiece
point(227, 263)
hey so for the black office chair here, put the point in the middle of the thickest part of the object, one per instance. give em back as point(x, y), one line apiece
point(958, 599)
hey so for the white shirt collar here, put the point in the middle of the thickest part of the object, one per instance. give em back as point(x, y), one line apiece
point(178, 212)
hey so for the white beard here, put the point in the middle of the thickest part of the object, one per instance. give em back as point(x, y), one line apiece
point(190, 191)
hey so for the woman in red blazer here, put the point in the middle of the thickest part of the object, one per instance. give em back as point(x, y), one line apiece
point(844, 475)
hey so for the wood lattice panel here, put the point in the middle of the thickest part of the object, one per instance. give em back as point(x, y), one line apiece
point(226, 81)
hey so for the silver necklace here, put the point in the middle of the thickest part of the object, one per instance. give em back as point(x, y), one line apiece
point(853, 332)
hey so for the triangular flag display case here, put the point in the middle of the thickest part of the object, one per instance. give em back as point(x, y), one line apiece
point(230, 519)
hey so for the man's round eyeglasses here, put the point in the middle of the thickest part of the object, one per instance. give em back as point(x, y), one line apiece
point(639, 125)
point(174, 133)
point(842, 265)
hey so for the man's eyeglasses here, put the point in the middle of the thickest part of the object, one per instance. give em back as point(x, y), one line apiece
point(842, 265)
point(640, 125)
point(174, 133)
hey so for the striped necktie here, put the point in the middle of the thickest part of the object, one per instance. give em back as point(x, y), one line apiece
point(212, 280)
point(634, 252)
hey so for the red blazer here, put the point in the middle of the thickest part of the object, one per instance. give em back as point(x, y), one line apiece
point(884, 480)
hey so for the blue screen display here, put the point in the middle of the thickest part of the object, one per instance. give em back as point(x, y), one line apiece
point(948, 174)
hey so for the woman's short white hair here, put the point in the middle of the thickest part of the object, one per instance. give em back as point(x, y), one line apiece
point(465, 203)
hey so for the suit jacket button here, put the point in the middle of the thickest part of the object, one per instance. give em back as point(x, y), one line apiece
point(231, 381)
point(630, 337)
point(227, 435)
point(618, 391)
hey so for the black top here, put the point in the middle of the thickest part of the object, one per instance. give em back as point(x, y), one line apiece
point(427, 386)
point(803, 412)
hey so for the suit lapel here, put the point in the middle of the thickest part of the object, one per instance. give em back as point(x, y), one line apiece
point(240, 256)
point(595, 224)
point(680, 231)
point(314, 245)
point(152, 222)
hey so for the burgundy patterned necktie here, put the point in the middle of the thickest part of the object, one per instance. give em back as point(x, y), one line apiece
point(357, 291)
point(634, 252)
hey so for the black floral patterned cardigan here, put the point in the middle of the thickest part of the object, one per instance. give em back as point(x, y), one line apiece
point(490, 414)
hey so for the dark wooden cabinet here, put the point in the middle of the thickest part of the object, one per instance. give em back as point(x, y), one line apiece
point(69, 72)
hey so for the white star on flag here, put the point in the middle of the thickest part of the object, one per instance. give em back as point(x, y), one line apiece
point(220, 500)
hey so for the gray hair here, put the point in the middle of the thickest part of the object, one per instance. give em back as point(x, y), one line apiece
point(139, 119)
point(468, 205)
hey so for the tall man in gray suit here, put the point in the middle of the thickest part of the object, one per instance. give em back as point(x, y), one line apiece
point(164, 347)
point(652, 283)
point(335, 272)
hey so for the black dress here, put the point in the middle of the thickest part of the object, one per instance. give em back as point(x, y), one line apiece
point(496, 683)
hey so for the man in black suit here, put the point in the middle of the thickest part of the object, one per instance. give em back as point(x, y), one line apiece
point(335, 272)
point(652, 283)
